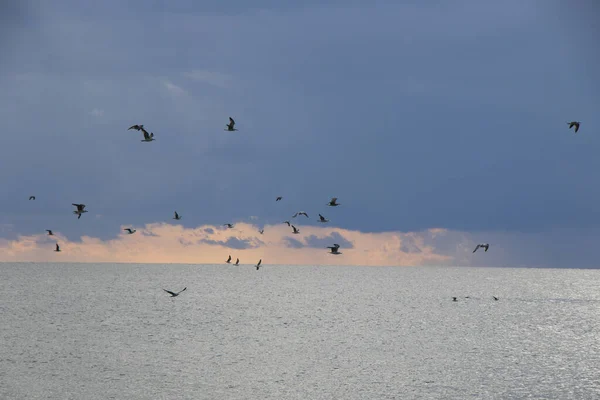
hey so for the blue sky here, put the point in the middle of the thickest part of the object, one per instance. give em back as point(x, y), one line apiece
point(416, 114)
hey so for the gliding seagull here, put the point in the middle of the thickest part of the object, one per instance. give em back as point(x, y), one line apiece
point(31, 197)
point(278, 198)
point(49, 232)
point(177, 216)
point(57, 247)
point(148, 137)
point(136, 127)
point(296, 230)
point(300, 213)
point(174, 294)
point(228, 225)
point(237, 262)
point(228, 260)
point(131, 231)
point(322, 218)
point(483, 246)
point(258, 265)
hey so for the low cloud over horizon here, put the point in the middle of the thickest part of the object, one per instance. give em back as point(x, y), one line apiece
point(207, 244)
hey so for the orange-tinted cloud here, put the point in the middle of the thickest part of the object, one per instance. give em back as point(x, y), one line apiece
point(166, 243)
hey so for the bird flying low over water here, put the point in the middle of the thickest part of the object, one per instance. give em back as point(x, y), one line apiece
point(49, 232)
point(31, 197)
point(237, 262)
point(454, 299)
point(334, 249)
point(57, 247)
point(278, 198)
point(296, 230)
point(230, 125)
point(300, 213)
point(483, 246)
point(258, 265)
point(136, 127)
point(228, 225)
point(148, 137)
point(175, 294)
point(495, 298)
point(177, 216)
point(287, 222)
point(228, 260)
point(80, 209)
point(322, 218)
point(333, 202)
point(574, 124)
point(130, 231)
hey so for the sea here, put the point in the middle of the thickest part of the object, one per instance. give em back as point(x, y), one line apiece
point(109, 331)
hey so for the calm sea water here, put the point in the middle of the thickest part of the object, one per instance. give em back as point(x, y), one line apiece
point(108, 331)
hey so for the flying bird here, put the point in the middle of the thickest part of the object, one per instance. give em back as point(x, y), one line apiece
point(258, 265)
point(300, 213)
point(177, 216)
point(57, 247)
point(237, 262)
point(228, 225)
point(483, 246)
point(49, 232)
point(322, 218)
point(228, 260)
point(287, 222)
point(574, 124)
point(333, 202)
point(31, 197)
point(334, 249)
point(136, 127)
point(261, 231)
point(80, 209)
point(454, 299)
point(296, 230)
point(174, 294)
point(148, 137)
point(131, 231)
point(278, 198)
point(495, 298)
point(230, 125)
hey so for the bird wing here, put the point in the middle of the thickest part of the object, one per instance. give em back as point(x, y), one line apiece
point(259, 261)
point(231, 121)
point(57, 247)
point(182, 290)
point(576, 127)
point(136, 127)
point(287, 222)
point(337, 246)
point(146, 135)
point(171, 293)
point(478, 246)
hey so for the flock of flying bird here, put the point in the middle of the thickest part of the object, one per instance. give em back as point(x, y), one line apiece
point(149, 137)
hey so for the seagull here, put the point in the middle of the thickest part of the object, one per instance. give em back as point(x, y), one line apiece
point(287, 222)
point(334, 249)
point(136, 127)
point(31, 197)
point(295, 229)
point(57, 247)
point(228, 260)
point(177, 216)
point(322, 218)
point(261, 231)
point(228, 225)
point(174, 294)
point(495, 298)
point(131, 231)
point(454, 299)
point(80, 209)
point(278, 198)
point(333, 202)
point(483, 246)
point(148, 137)
point(237, 262)
point(574, 124)
point(258, 265)
point(49, 232)
point(230, 125)
point(300, 213)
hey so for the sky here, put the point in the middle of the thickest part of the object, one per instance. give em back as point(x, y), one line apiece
point(438, 125)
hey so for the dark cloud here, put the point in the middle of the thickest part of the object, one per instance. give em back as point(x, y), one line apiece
point(234, 243)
